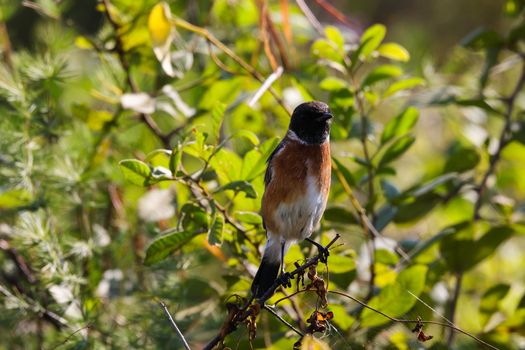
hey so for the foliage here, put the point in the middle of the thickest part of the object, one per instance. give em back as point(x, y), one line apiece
point(132, 157)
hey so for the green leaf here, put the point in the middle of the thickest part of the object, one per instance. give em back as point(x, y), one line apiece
point(482, 38)
point(383, 72)
point(461, 159)
point(416, 208)
point(403, 84)
point(248, 217)
point(396, 150)
point(216, 230)
point(194, 218)
point(346, 173)
point(491, 299)
point(166, 244)
point(217, 116)
point(341, 264)
point(386, 257)
point(390, 191)
point(454, 245)
point(321, 48)
point(339, 215)
point(248, 135)
point(370, 40)
point(176, 159)
point(13, 198)
point(400, 125)
point(395, 299)
point(239, 186)
point(135, 171)
point(394, 52)
point(334, 35)
point(333, 84)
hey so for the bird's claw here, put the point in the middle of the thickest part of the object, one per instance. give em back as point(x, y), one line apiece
point(285, 279)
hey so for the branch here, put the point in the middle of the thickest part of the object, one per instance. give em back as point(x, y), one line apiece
point(172, 321)
point(219, 44)
point(504, 139)
point(399, 320)
point(251, 309)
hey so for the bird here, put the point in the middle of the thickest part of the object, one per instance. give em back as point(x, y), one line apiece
point(297, 183)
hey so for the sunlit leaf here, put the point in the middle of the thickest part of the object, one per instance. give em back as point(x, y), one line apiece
point(239, 186)
point(396, 150)
point(395, 299)
point(404, 84)
point(370, 40)
point(135, 171)
point(383, 72)
point(400, 125)
point(394, 52)
point(13, 198)
point(216, 230)
point(166, 244)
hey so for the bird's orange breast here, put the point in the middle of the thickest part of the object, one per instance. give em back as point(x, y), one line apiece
point(292, 167)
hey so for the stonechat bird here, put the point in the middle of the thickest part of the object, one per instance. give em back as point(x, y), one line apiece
point(297, 182)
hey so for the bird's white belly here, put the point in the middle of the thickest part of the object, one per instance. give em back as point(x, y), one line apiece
point(297, 220)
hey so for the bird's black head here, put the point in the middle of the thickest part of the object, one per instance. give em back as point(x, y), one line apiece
point(311, 122)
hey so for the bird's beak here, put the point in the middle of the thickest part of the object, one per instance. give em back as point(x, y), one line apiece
point(325, 117)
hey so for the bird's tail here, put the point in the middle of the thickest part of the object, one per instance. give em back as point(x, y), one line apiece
point(270, 264)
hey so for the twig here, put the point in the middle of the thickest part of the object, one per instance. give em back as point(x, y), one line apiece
point(310, 17)
point(269, 309)
point(219, 44)
point(88, 326)
point(504, 139)
point(172, 321)
point(265, 86)
point(238, 317)
point(399, 320)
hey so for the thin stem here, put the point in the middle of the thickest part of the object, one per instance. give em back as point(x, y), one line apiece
point(269, 309)
point(219, 44)
point(453, 304)
point(172, 321)
point(399, 320)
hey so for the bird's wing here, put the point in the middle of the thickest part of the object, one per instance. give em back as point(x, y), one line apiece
point(268, 173)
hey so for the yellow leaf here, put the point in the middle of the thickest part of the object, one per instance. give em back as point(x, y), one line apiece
point(159, 24)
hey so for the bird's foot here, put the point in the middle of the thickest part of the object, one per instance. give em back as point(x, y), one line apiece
point(324, 253)
point(285, 279)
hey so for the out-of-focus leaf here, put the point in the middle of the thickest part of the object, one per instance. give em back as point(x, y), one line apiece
point(239, 186)
point(396, 150)
point(384, 216)
point(394, 51)
point(321, 48)
point(415, 208)
point(400, 124)
point(491, 299)
point(344, 170)
point(383, 72)
point(166, 244)
point(431, 185)
point(404, 84)
point(161, 34)
point(217, 116)
point(395, 299)
point(462, 159)
point(333, 84)
point(176, 159)
point(216, 230)
point(370, 40)
point(248, 217)
point(248, 135)
point(455, 244)
point(13, 198)
point(482, 38)
point(334, 35)
point(135, 171)
point(389, 190)
point(339, 215)
point(341, 264)
point(386, 257)
point(309, 342)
